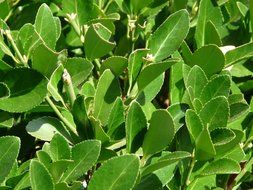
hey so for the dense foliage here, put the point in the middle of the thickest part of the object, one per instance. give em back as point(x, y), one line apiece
point(126, 94)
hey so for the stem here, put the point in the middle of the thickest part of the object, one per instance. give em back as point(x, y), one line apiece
point(9, 36)
point(192, 163)
point(58, 113)
point(69, 87)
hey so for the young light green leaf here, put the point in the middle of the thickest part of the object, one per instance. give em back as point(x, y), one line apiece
point(211, 34)
point(79, 69)
point(215, 113)
point(204, 146)
point(83, 11)
point(177, 112)
point(151, 72)
point(98, 130)
point(96, 42)
point(193, 123)
point(125, 172)
point(107, 92)
point(80, 116)
point(168, 37)
point(85, 155)
point(25, 93)
point(45, 26)
point(59, 148)
point(58, 168)
point(40, 178)
point(44, 128)
point(207, 12)
point(9, 149)
point(197, 80)
point(136, 127)
point(161, 127)
point(221, 166)
point(45, 60)
point(135, 63)
point(29, 39)
point(217, 86)
point(116, 119)
point(52, 85)
point(116, 64)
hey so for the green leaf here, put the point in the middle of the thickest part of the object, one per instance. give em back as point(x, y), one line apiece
point(4, 91)
point(25, 93)
point(107, 92)
point(237, 106)
point(167, 159)
point(177, 112)
point(46, 27)
point(6, 119)
point(29, 39)
point(59, 148)
point(45, 60)
point(242, 52)
point(98, 131)
point(96, 42)
point(85, 155)
point(193, 123)
point(58, 168)
point(161, 127)
point(44, 158)
point(84, 10)
point(207, 12)
point(151, 90)
point(151, 72)
point(81, 119)
point(88, 89)
point(221, 166)
point(44, 128)
point(176, 84)
point(211, 34)
point(217, 86)
point(136, 127)
point(222, 136)
point(79, 69)
point(197, 80)
point(116, 119)
point(138, 5)
point(125, 172)
point(215, 113)
point(168, 37)
point(52, 85)
point(116, 64)
point(211, 64)
point(230, 146)
point(135, 63)
point(40, 178)
point(9, 149)
point(204, 146)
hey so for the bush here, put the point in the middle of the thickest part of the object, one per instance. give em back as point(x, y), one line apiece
point(126, 94)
